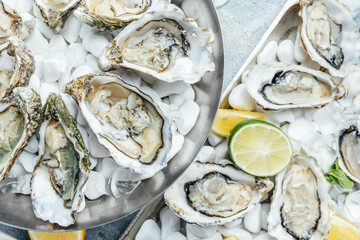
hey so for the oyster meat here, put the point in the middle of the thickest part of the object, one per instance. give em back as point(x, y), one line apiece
point(300, 207)
point(24, 66)
point(60, 175)
point(20, 115)
point(56, 12)
point(163, 44)
point(125, 120)
point(349, 149)
point(114, 14)
point(209, 194)
point(278, 86)
point(330, 35)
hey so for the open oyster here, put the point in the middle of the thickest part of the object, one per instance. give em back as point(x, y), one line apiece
point(114, 14)
point(125, 120)
point(165, 45)
point(330, 35)
point(56, 12)
point(12, 24)
point(210, 194)
point(20, 115)
point(349, 149)
point(300, 207)
point(60, 175)
point(24, 67)
point(279, 86)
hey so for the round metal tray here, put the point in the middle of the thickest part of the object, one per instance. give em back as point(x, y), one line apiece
point(16, 209)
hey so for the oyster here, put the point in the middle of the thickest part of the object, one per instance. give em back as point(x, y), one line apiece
point(12, 24)
point(20, 115)
point(114, 14)
point(60, 175)
point(165, 45)
point(349, 149)
point(24, 67)
point(125, 120)
point(278, 86)
point(300, 207)
point(56, 12)
point(330, 35)
point(210, 194)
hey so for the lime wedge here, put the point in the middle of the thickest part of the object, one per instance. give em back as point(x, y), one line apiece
point(259, 148)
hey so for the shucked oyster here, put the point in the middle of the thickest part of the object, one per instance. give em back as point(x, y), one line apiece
point(20, 116)
point(349, 149)
point(125, 120)
point(60, 175)
point(278, 86)
point(210, 194)
point(55, 12)
point(24, 67)
point(12, 24)
point(113, 14)
point(330, 35)
point(165, 45)
point(300, 208)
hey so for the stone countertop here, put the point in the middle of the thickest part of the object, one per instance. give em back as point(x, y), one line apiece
point(243, 23)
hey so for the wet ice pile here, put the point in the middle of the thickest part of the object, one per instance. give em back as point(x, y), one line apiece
point(74, 52)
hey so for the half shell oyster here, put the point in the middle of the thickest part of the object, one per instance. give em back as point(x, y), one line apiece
point(279, 86)
point(20, 115)
point(56, 12)
point(114, 14)
point(60, 175)
point(211, 194)
point(300, 207)
point(165, 45)
point(349, 149)
point(125, 120)
point(330, 35)
point(24, 66)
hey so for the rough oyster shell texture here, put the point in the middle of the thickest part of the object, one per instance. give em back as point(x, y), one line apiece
point(164, 44)
point(279, 86)
point(56, 12)
point(300, 206)
point(20, 115)
point(139, 137)
point(111, 15)
point(24, 66)
point(61, 172)
point(329, 34)
point(212, 194)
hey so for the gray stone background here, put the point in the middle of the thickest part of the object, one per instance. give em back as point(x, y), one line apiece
point(243, 23)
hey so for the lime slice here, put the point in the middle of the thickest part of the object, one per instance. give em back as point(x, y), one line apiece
point(227, 119)
point(259, 148)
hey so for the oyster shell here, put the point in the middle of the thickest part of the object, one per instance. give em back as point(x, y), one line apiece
point(279, 86)
point(330, 35)
point(12, 24)
point(24, 67)
point(300, 207)
point(125, 120)
point(165, 45)
point(56, 12)
point(60, 175)
point(349, 149)
point(210, 194)
point(113, 14)
point(20, 115)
